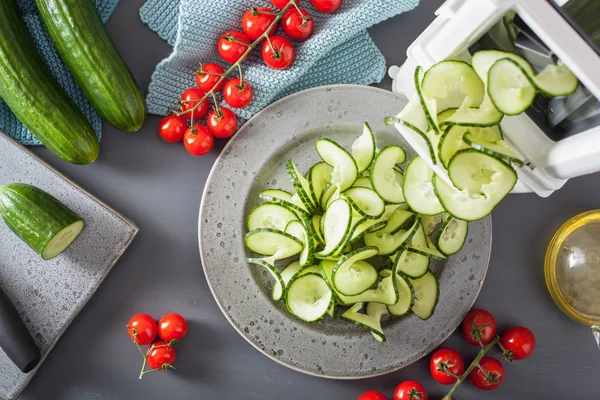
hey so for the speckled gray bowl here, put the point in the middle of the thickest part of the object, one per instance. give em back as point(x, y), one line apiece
point(255, 160)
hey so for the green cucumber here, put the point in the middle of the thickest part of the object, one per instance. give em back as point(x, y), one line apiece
point(453, 84)
point(427, 294)
point(365, 202)
point(453, 139)
point(308, 297)
point(352, 275)
point(406, 297)
point(363, 149)
point(279, 287)
point(498, 149)
point(385, 180)
point(270, 215)
point(345, 170)
point(452, 235)
point(418, 188)
point(87, 50)
point(40, 220)
point(35, 97)
point(370, 321)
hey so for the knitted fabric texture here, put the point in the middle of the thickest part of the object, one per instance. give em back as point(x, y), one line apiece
point(340, 50)
point(8, 122)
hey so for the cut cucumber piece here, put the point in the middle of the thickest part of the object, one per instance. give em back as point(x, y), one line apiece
point(300, 232)
point(486, 115)
point(509, 87)
point(376, 311)
point(270, 215)
point(316, 229)
point(429, 250)
point(444, 115)
point(397, 219)
point(452, 235)
point(428, 104)
point(385, 180)
point(271, 242)
point(363, 181)
point(337, 223)
point(318, 177)
point(418, 188)
point(419, 239)
point(497, 149)
point(301, 185)
point(478, 172)
point(452, 139)
point(287, 274)
point(279, 287)
point(427, 293)
point(352, 275)
point(363, 149)
point(556, 81)
point(406, 297)
point(313, 269)
point(453, 84)
point(365, 202)
point(389, 244)
point(414, 265)
point(361, 226)
point(430, 222)
point(308, 297)
point(372, 322)
point(328, 191)
point(345, 171)
point(483, 60)
point(276, 194)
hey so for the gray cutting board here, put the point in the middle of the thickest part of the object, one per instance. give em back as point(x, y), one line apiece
point(50, 294)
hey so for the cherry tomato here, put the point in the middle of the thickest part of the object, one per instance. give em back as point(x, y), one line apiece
point(144, 326)
point(207, 81)
point(279, 53)
point(189, 99)
point(223, 124)
point(410, 390)
point(479, 327)
point(161, 356)
point(232, 45)
point(445, 364)
point(172, 327)
point(236, 94)
point(172, 128)
point(298, 25)
point(372, 395)
point(256, 21)
point(198, 140)
point(488, 375)
point(327, 6)
point(282, 3)
point(519, 343)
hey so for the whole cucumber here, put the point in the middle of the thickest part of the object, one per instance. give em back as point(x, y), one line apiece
point(35, 97)
point(84, 45)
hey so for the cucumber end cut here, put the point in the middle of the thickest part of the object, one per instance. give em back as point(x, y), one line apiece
point(62, 240)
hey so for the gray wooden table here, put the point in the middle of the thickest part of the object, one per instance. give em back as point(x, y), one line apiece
point(159, 187)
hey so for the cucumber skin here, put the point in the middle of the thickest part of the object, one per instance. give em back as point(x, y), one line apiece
point(84, 45)
point(34, 215)
point(35, 97)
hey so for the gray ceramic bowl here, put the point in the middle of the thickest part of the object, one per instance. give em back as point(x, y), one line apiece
point(255, 160)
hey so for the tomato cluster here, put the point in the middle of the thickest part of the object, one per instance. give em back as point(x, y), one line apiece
point(161, 354)
point(258, 24)
point(486, 373)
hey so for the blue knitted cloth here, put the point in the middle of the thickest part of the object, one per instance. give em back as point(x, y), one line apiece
point(340, 51)
point(8, 122)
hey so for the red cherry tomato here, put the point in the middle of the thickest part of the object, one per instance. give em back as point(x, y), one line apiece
point(144, 327)
point(172, 128)
point(189, 99)
point(172, 327)
point(372, 395)
point(298, 25)
point(479, 327)
point(279, 53)
point(519, 343)
point(236, 94)
point(410, 390)
point(488, 375)
point(160, 357)
point(198, 140)
point(327, 6)
point(232, 45)
point(257, 20)
point(223, 124)
point(282, 3)
point(445, 364)
point(207, 78)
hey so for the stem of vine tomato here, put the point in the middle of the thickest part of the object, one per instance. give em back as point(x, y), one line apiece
point(475, 362)
point(217, 108)
point(251, 47)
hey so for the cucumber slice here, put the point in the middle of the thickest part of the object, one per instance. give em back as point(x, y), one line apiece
point(452, 139)
point(300, 232)
point(363, 181)
point(444, 115)
point(430, 222)
point(419, 239)
point(406, 297)
point(279, 287)
point(270, 215)
point(345, 171)
point(385, 180)
point(452, 235)
point(328, 191)
point(363, 149)
point(428, 104)
point(313, 269)
point(316, 229)
point(352, 275)
point(318, 177)
point(453, 84)
point(486, 115)
point(376, 311)
point(418, 188)
point(497, 149)
point(427, 293)
point(413, 265)
point(365, 202)
point(389, 244)
point(361, 226)
point(429, 250)
point(483, 60)
point(308, 297)
point(333, 307)
point(302, 187)
point(276, 194)
point(287, 274)
point(397, 219)
point(337, 223)
point(478, 172)
point(273, 243)
point(370, 322)
point(556, 81)
point(509, 87)
point(334, 196)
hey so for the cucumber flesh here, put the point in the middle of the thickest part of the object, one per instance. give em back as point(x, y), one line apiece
point(397, 219)
point(406, 297)
point(308, 297)
point(318, 177)
point(370, 322)
point(287, 274)
point(365, 202)
point(418, 188)
point(385, 180)
point(270, 215)
point(299, 231)
point(452, 235)
point(352, 275)
point(279, 286)
point(427, 292)
point(345, 171)
point(389, 244)
point(428, 104)
point(509, 87)
point(363, 181)
point(363, 149)
point(452, 139)
point(497, 149)
point(271, 242)
point(478, 172)
point(336, 226)
point(302, 187)
point(556, 81)
point(413, 265)
point(453, 84)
